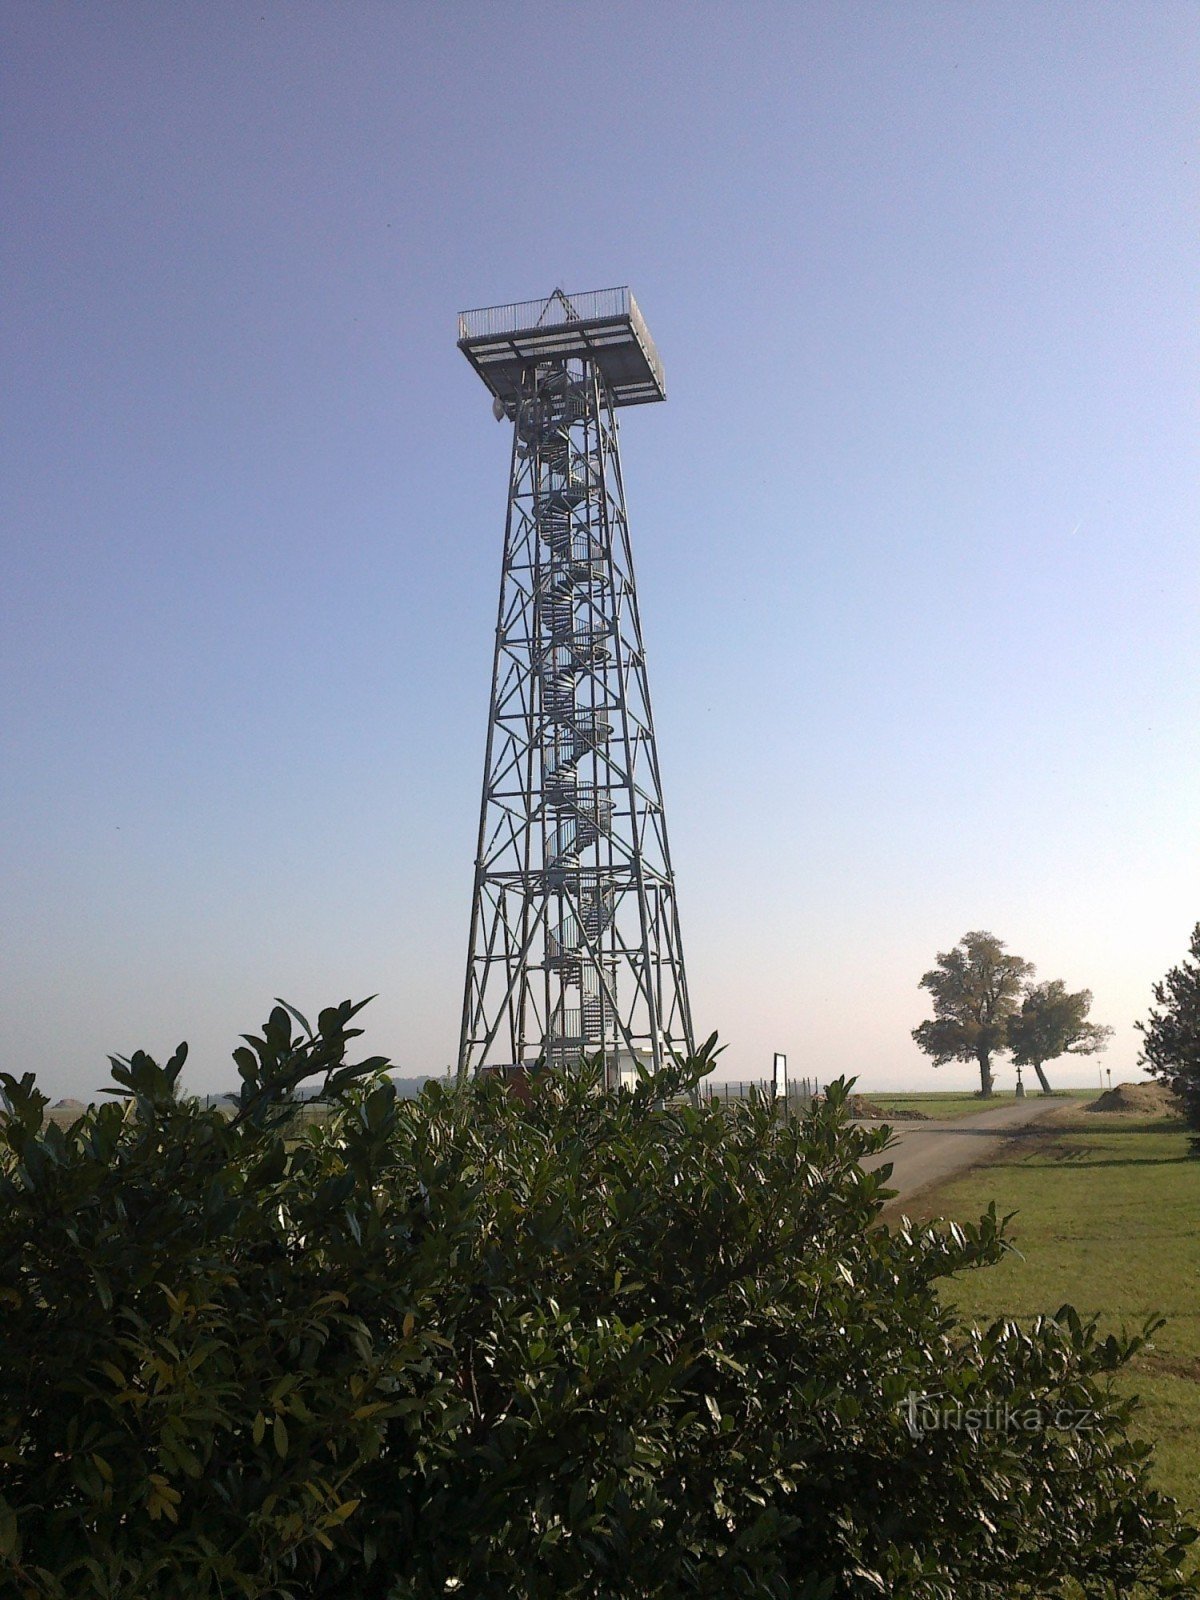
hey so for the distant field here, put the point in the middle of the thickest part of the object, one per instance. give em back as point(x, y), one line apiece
point(1106, 1218)
point(932, 1103)
point(304, 1117)
point(962, 1103)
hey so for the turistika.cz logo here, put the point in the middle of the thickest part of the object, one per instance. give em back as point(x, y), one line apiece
point(938, 1413)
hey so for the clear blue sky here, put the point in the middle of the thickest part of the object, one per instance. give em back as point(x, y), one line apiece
point(915, 531)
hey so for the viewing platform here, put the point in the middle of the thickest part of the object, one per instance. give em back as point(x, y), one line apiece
point(599, 325)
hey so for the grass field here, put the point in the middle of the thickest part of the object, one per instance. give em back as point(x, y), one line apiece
point(1106, 1218)
point(945, 1105)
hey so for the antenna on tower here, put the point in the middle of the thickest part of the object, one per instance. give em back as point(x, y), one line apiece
point(574, 946)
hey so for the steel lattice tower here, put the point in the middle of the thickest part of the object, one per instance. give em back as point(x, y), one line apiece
point(574, 945)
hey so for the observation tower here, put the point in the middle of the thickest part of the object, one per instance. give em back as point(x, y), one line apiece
point(574, 946)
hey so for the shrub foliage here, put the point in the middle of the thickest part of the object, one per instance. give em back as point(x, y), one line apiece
point(607, 1344)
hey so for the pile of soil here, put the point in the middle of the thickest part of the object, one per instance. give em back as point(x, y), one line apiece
point(1142, 1099)
point(859, 1106)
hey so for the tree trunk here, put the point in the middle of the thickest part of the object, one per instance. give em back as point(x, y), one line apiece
point(1042, 1079)
point(986, 1081)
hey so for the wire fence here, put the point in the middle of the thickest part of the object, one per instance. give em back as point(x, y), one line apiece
point(800, 1091)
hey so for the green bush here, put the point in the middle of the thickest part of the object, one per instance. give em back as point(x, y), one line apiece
point(1171, 1052)
point(604, 1345)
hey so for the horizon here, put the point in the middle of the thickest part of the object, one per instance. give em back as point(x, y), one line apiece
point(864, 1089)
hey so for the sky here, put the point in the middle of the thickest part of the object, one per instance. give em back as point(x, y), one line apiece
point(914, 532)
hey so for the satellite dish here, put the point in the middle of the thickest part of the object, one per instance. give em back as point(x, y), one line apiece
point(498, 409)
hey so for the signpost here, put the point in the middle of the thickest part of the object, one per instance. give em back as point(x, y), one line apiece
point(779, 1077)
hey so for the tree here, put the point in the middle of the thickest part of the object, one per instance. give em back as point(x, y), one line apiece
point(975, 988)
point(1053, 1023)
point(603, 1345)
point(1171, 1051)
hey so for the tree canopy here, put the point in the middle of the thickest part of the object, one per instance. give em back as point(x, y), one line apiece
point(1171, 1033)
point(600, 1346)
point(1053, 1022)
point(976, 988)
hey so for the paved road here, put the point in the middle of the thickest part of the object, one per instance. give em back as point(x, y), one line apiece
point(926, 1152)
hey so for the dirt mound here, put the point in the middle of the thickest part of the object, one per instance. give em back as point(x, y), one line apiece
point(1141, 1099)
point(859, 1106)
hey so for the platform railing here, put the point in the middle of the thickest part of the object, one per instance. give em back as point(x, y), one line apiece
point(494, 321)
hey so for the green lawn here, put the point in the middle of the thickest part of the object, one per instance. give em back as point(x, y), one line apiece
point(1106, 1218)
point(945, 1105)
